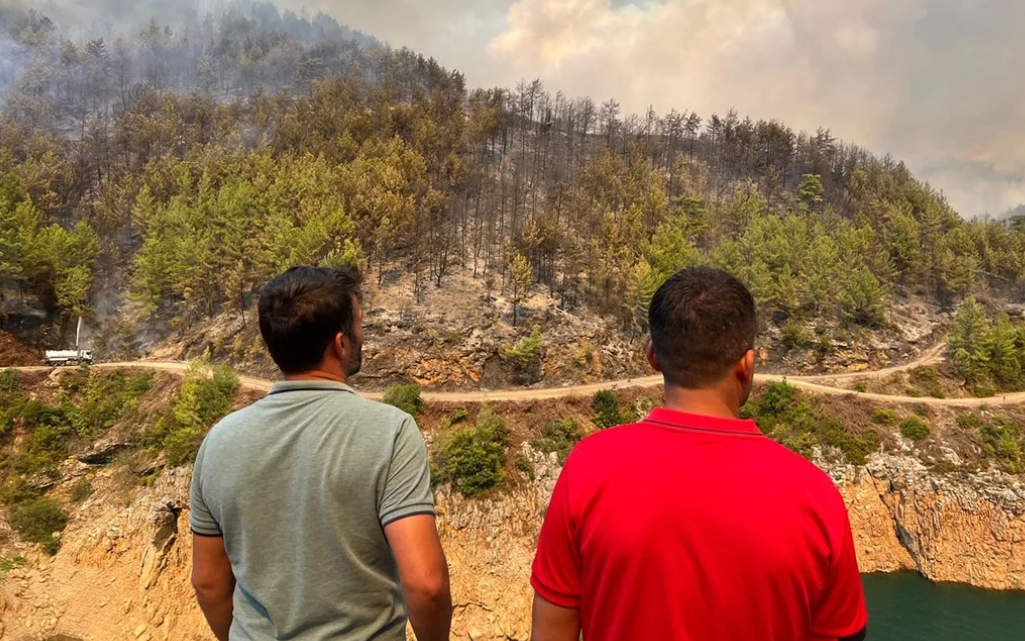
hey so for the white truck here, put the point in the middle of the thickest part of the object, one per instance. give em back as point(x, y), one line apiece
point(69, 357)
point(77, 356)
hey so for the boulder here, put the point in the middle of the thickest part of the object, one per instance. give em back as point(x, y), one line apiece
point(102, 452)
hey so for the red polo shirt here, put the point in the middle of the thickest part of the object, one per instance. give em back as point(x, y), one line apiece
point(691, 528)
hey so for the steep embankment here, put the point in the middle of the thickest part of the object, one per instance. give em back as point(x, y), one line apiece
point(122, 572)
point(968, 530)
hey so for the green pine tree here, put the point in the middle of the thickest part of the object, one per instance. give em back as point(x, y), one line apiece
point(968, 341)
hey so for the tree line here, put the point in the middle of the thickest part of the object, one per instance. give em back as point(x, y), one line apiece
point(202, 157)
point(988, 354)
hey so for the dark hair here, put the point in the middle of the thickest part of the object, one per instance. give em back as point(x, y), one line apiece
point(303, 310)
point(702, 323)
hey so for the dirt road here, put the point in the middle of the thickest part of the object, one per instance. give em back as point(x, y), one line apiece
point(815, 384)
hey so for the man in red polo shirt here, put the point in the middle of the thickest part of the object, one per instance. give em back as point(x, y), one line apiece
point(691, 525)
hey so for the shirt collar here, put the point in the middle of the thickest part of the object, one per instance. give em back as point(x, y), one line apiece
point(310, 386)
point(671, 418)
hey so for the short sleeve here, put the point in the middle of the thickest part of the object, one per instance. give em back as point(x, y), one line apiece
point(841, 610)
point(556, 570)
point(407, 490)
point(201, 520)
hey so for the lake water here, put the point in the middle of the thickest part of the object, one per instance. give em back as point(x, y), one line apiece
point(906, 607)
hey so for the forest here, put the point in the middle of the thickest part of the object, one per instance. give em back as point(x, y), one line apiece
point(179, 165)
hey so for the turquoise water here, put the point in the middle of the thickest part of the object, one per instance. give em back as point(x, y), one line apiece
point(906, 607)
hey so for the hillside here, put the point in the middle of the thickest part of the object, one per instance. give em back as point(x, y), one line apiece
point(153, 178)
point(100, 460)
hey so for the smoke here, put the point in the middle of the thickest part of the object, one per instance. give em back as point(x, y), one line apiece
point(13, 58)
point(933, 82)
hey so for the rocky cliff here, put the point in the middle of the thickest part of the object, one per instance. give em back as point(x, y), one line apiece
point(968, 530)
point(123, 570)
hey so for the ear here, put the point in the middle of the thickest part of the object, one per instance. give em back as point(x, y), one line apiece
point(653, 358)
point(745, 369)
point(340, 347)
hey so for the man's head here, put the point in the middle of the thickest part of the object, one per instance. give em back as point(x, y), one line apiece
point(703, 327)
point(311, 318)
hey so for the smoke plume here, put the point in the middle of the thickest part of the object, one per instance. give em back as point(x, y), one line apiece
point(934, 82)
point(931, 81)
point(13, 58)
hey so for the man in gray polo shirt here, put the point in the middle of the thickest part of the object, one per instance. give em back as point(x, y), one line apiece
point(312, 509)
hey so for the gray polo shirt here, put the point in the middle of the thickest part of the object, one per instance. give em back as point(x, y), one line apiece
point(300, 485)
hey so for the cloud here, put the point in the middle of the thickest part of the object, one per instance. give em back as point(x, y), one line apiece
point(933, 81)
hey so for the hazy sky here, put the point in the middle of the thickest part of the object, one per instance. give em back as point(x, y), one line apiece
point(937, 83)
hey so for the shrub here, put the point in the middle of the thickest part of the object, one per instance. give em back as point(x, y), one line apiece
point(524, 465)
point(861, 387)
point(884, 417)
point(473, 457)
point(793, 336)
point(802, 444)
point(10, 381)
point(969, 421)
point(88, 403)
point(925, 376)
point(983, 391)
point(51, 428)
point(606, 410)
point(776, 398)
point(181, 443)
point(458, 416)
point(12, 404)
point(527, 351)
point(36, 521)
point(406, 398)
point(1004, 440)
point(775, 401)
point(927, 379)
point(799, 424)
point(205, 397)
point(915, 429)
point(109, 399)
point(206, 393)
point(81, 490)
point(825, 347)
point(437, 476)
point(559, 437)
point(14, 490)
point(91, 405)
point(855, 447)
point(584, 354)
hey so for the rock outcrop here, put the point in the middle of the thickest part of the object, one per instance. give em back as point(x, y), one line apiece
point(965, 530)
point(123, 571)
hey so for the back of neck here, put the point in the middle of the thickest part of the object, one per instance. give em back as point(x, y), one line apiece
point(319, 375)
point(703, 402)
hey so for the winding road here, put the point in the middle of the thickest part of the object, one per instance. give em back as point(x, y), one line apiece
point(821, 384)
